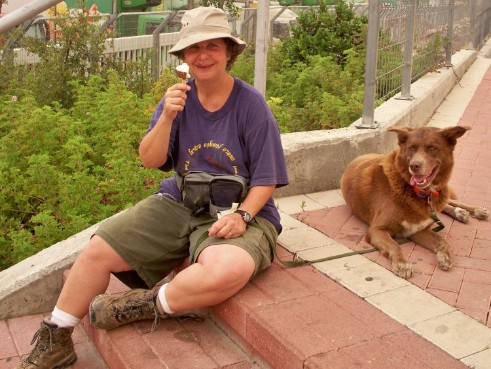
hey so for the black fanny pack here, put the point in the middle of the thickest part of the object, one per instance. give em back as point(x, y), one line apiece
point(206, 193)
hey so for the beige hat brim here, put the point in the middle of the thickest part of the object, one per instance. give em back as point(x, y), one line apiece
point(194, 38)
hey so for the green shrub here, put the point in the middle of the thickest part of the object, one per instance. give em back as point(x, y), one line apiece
point(64, 169)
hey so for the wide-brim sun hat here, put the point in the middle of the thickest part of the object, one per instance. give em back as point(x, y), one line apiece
point(202, 24)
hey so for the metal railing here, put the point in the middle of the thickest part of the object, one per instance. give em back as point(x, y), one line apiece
point(410, 38)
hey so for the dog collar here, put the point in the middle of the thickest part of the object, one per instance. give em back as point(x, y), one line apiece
point(429, 195)
point(423, 194)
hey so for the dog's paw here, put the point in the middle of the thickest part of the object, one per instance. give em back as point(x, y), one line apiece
point(461, 215)
point(403, 269)
point(444, 260)
point(481, 213)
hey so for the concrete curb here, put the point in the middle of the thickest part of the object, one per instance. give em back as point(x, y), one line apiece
point(32, 286)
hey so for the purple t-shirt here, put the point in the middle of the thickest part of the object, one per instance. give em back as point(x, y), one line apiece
point(241, 138)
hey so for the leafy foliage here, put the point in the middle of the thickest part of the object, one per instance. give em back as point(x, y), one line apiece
point(64, 169)
point(323, 32)
point(315, 78)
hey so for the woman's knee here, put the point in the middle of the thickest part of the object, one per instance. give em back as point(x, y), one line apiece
point(228, 266)
point(99, 253)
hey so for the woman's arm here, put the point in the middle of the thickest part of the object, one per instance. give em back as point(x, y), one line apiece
point(154, 147)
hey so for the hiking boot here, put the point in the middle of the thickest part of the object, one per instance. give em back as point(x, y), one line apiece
point(54, 348)
point(111, 311)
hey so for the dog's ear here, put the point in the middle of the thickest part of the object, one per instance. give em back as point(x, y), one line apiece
point(402, 133)
point(453, 133)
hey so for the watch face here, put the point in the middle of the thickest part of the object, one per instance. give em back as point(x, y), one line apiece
point(245, 215)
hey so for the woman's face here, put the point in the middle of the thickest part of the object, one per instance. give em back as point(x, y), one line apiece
point(208, 59)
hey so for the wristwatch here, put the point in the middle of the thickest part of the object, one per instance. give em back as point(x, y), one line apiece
point(246, 217)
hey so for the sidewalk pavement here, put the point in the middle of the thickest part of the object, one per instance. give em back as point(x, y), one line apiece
point(340, 314)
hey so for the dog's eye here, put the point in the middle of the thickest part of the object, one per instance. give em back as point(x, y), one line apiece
point(432, 149)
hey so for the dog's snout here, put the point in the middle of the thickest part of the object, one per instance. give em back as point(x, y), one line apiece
point(415, 166)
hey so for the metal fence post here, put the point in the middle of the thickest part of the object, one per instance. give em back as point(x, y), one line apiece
point(371, 55)
point(449, 40)
point(156, 56)
point(261, 46)
point(408, 53)
point(472, 24)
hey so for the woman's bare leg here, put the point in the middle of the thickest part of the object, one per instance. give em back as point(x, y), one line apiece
point(221, 271)
point(89, 276)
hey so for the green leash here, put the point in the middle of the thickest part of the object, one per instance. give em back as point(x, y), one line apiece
point(296, 263)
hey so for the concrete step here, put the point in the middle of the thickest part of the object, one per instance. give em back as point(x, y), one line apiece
point(175, 343)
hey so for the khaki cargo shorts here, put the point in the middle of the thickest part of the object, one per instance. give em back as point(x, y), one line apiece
point(157, 234)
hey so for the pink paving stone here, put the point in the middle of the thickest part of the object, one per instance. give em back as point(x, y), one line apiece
point(281, 285)
point(477, 276)
point(428, 355)
point(320, 221)
point(234, 314)
point(22, 331)
point(273, 348)
point(367, 314)
point(313, 279)
point(215, 343)
point(424, 261)
point(178, 347)
point(450, 280)
point(478, 314)
point(384, 261)
point(446, 296)
point(9, 363)
point(474, 296)
point(377, 354)
point(420, 280)
point(7, 348)
point(484, 234)
point(312, 324)
point(348, 238)
point(472, 263)
point(481, 250)
point(461, 240)
point(88, 357)
point(331, 360)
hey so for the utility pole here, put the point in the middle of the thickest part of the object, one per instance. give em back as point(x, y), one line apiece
point(262, 31)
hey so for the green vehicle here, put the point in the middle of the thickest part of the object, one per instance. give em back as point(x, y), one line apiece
point(148, 23)
point(106, 6)
point(135, 24)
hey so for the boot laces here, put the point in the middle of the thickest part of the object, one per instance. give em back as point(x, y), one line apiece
point(40, 345)
point(141, 308)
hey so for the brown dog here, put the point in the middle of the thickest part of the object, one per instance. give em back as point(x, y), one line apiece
point(398, 195)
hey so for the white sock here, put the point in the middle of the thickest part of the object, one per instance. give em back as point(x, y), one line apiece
point(62, 319)
point(163, 300)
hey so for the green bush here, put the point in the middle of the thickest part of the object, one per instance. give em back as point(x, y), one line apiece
point(315, 78)
point(64, 169)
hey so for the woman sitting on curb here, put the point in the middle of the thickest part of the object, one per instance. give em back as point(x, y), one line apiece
point(213, 123)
